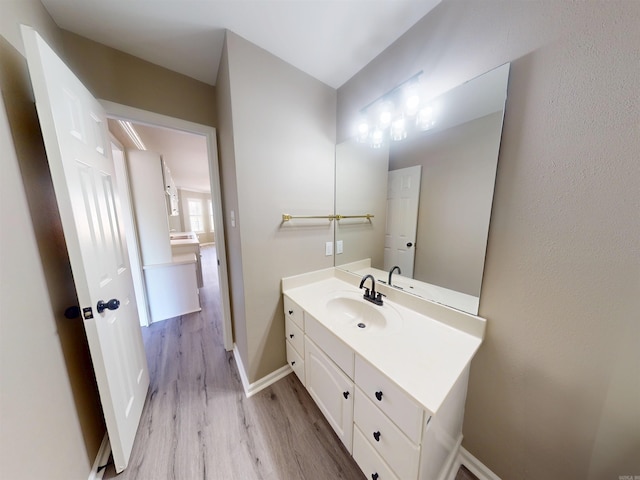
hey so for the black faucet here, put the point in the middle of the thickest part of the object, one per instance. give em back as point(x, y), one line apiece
point(391, 273)
point(371, 295)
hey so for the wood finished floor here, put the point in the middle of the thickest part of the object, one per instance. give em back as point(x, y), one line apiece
point(198, 424)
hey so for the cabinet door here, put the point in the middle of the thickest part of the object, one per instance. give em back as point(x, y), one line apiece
point(332, 391)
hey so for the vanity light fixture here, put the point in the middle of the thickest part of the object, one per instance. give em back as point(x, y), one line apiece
point(395, 114)
point(132, 134)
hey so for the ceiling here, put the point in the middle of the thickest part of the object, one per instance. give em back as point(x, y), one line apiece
point(331, 40)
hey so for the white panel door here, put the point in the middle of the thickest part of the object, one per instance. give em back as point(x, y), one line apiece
point(79, 154)
point(403, 196)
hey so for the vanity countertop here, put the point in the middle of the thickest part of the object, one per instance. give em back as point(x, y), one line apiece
point(184, 238)
point(424, 353)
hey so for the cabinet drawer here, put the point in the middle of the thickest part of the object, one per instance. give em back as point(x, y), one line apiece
point(371, 464)
point(296, 362)
point(293, 311)
point(389, 398)
point(402, 455)
point(335, 348)
point(294, 335)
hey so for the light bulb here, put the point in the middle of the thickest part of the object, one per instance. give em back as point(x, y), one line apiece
point(411, 104)
point(398, 131)
point(425, 118)
point(363, 131)
point(384, 118)
point(377, 138)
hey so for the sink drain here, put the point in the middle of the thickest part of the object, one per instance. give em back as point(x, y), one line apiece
point(361, 325)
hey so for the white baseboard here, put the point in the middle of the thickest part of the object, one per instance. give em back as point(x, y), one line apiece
point(101, 459)
point(253, 388)
point(474, 465)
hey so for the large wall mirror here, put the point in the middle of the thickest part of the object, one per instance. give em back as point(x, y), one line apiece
point(439, 243)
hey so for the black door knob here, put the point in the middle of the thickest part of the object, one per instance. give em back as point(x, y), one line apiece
point(409, 244)
point(379, 396)
point(112, 304)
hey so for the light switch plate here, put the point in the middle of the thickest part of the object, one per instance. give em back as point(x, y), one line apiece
point(338, 247)
point(328, 249)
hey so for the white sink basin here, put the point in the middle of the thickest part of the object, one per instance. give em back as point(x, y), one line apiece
point(348, 309)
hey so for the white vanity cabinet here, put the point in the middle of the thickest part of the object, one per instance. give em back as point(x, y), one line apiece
point(396, 397)
point(294, 335)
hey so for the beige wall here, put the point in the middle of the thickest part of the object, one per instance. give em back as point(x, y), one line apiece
point(122, 78)
point(50, 417)
point(456, 191)
point(229, 185)
point(554, 390)
point(283, 133)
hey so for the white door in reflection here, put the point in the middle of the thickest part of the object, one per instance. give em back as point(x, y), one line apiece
point(403, 196)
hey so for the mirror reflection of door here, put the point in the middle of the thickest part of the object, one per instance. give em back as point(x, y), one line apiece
point(403, 197)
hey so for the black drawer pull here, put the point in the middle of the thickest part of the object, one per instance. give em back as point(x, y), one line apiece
point(379, 396)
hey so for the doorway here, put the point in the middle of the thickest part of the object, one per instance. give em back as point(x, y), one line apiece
point(202, 192)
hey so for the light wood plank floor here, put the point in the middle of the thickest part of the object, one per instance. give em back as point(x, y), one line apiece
point(198, 424)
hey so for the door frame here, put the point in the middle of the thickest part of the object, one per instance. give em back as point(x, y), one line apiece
point(124, 112)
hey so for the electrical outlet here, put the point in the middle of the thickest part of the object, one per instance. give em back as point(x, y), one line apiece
point(338, 247)
point(328, 248)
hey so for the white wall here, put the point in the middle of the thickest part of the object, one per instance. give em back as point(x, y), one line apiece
point(554, 390)
point(283, 133)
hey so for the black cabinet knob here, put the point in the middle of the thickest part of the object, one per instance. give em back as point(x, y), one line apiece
point(291, 335)
point(346, 394)
point(409, 244)
point(374, 476)
point(293, 363)
point(379, 396)
point(290, 312)
point(376, 435)
point(112, 304)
